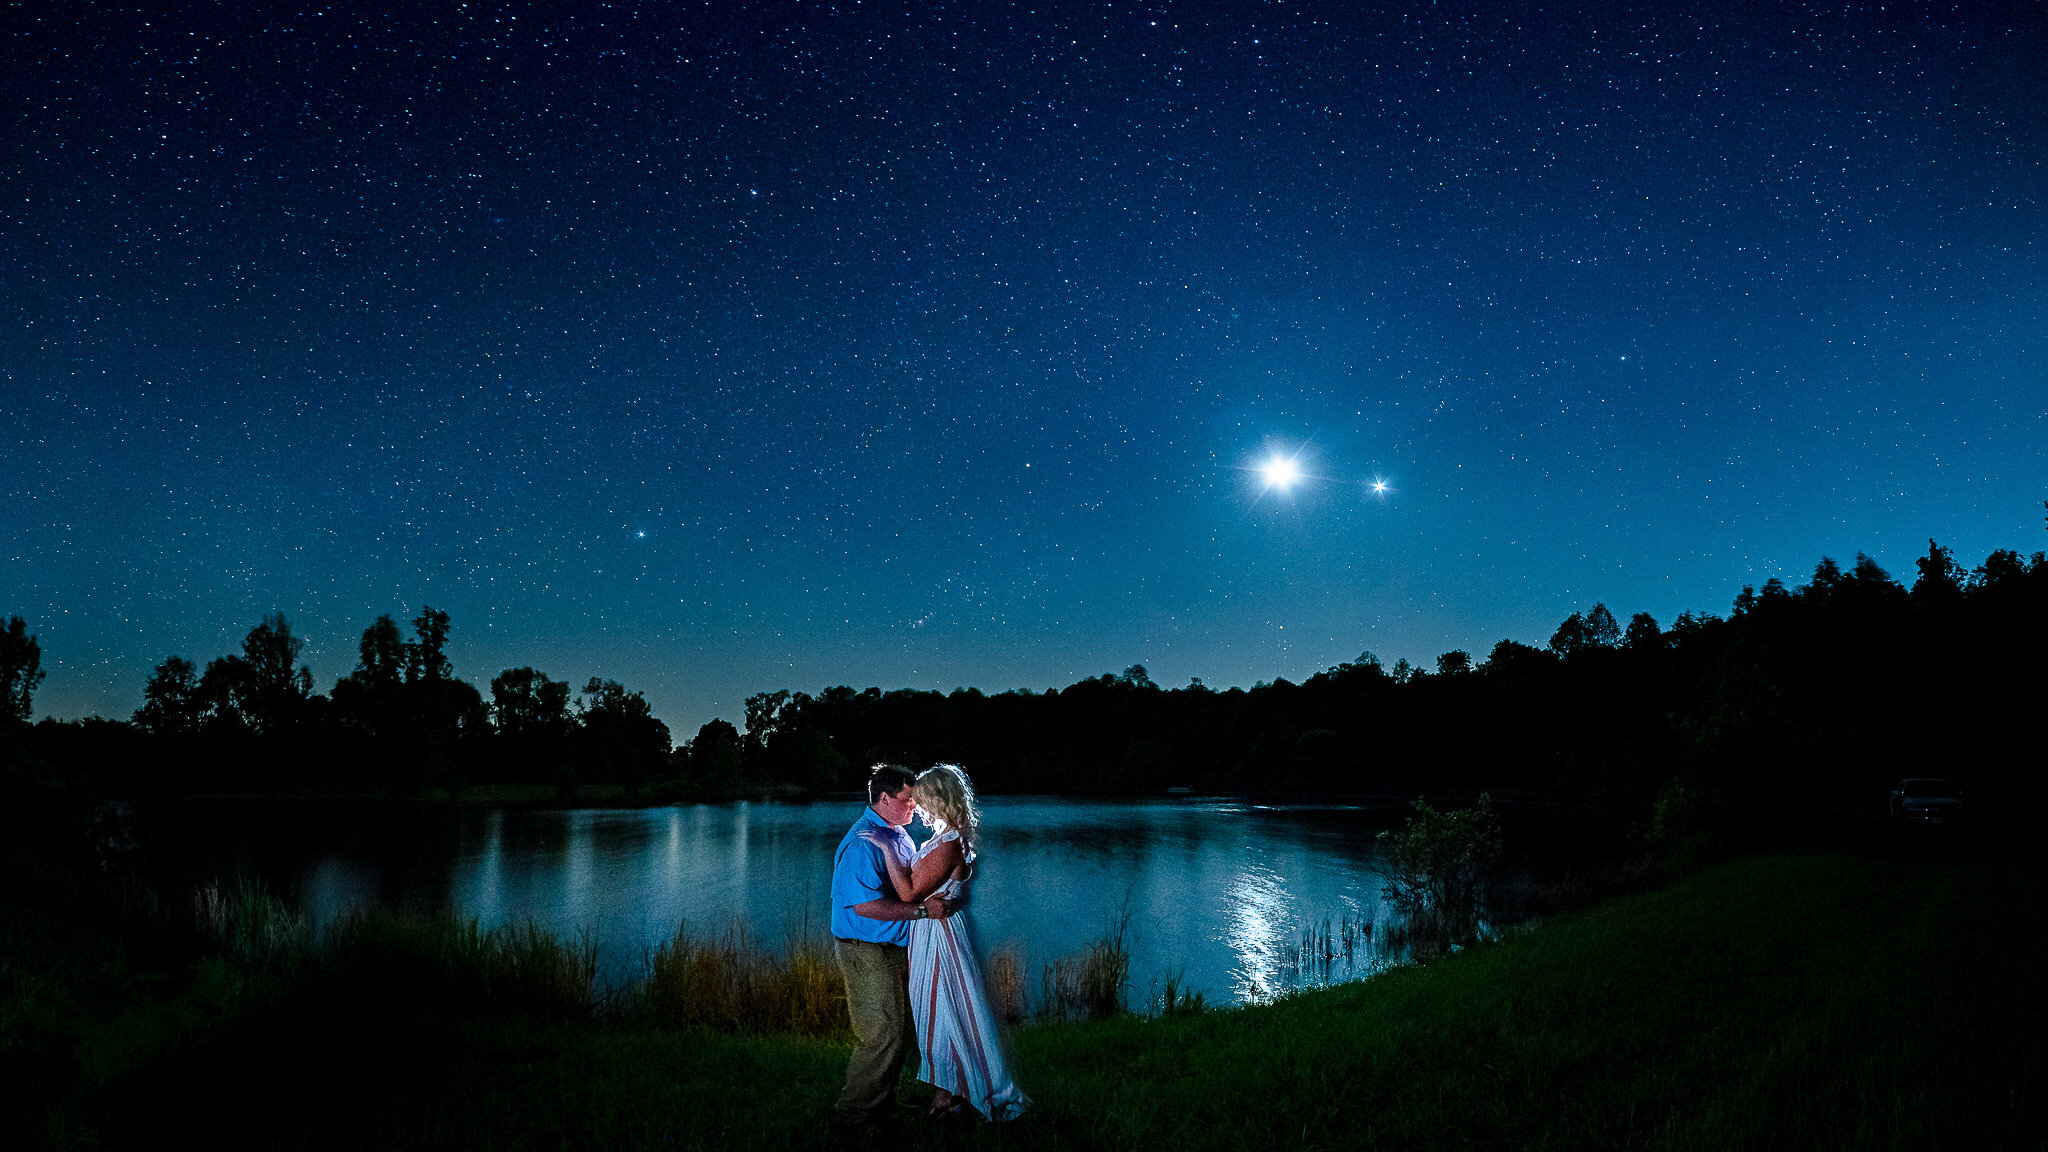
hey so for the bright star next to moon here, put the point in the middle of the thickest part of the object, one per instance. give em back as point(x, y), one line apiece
point(1282, 470)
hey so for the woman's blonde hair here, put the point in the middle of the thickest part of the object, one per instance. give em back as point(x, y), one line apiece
point(948, 802)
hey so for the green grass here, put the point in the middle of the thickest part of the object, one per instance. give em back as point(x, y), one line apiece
point(1784, 1002)
point(1807, 1001)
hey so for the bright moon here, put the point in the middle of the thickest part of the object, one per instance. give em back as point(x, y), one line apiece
point(1280, 473)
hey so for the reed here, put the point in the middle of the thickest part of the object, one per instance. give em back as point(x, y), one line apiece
point(253, 929)
point(1329, 950)
point(1176, 999)
point(531, 969)
point(730, 981)
point(521, 967)
point(1089, 986)
point(1006, 985)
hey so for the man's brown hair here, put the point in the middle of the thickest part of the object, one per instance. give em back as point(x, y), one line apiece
point(888, 779)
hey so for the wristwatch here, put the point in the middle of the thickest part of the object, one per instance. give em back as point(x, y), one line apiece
point(921, 913)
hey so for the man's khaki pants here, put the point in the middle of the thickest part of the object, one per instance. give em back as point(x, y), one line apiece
point(878, 999)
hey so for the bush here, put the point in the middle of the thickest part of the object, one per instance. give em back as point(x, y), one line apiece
point(1438, 868)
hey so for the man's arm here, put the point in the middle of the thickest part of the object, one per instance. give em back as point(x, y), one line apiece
point(886, 909)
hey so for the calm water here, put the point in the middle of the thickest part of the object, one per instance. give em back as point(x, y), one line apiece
point(1220, 891)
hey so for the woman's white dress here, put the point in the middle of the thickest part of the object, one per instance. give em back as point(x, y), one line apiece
point(956, 1033)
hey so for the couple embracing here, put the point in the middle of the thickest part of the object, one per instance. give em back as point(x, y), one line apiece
point(913, 982)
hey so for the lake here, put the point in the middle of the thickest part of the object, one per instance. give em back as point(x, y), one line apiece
point(1218, 892)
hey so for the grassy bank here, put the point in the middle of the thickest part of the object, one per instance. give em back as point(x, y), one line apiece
point(1876, 1000)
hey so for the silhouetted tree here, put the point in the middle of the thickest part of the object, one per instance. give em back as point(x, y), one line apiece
point(1456, 661)
point(764, 716)
point(620, 740)
point(277, 684)
point(533, 721)
point(382, 657)
point(1827, 577)
point(1571, 637)
point(21, 669)
point(226, 692)
point(424, 659)
point(714, 755)
point(1643, 634)
point(1601, 630)
point(2002, 569)
point(418, 725)
point(170, 700)
point(1511, 657)
point(1871, 575)
point(1941, 579)
point(805, 757)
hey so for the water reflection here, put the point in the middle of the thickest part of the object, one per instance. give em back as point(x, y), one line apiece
point(1260, 916)
point(1219, 893)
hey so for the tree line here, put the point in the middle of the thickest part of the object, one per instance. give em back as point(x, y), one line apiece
point(1819, 693)
point(402, 721)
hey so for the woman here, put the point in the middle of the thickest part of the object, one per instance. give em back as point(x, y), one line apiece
point(962, 1054)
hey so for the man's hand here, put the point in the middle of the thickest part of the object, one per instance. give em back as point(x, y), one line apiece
point(940, 907)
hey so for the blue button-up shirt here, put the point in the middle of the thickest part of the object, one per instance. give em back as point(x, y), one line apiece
point(858, 877)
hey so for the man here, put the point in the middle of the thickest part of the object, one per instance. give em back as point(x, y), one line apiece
point(871, 929)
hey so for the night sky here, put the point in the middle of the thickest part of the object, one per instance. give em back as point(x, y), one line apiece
point(939, 345)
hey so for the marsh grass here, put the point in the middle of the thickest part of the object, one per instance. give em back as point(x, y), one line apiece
point(519, 967)
point(1331, 950)
point(252, 928)
point(1089, 986)
point(1005, 978)
point(1172, 997)
point(730, 981)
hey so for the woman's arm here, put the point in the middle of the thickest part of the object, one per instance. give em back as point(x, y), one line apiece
point(913, 886)
point(934, 869)
point(899, 876)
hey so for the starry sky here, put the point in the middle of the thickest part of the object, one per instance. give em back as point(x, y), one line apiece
point(940, 344)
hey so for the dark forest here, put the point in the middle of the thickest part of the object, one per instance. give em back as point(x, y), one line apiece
point(1817, 694)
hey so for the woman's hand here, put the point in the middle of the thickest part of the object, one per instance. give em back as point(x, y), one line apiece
point(892, 865)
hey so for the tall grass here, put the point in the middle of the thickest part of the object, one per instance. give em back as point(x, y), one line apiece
point(730, 981)
point(253, 929)
point(522, 967)
point(1175, 998)
point(1089, 986)
point(1005, 978)
point(1332, 950)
